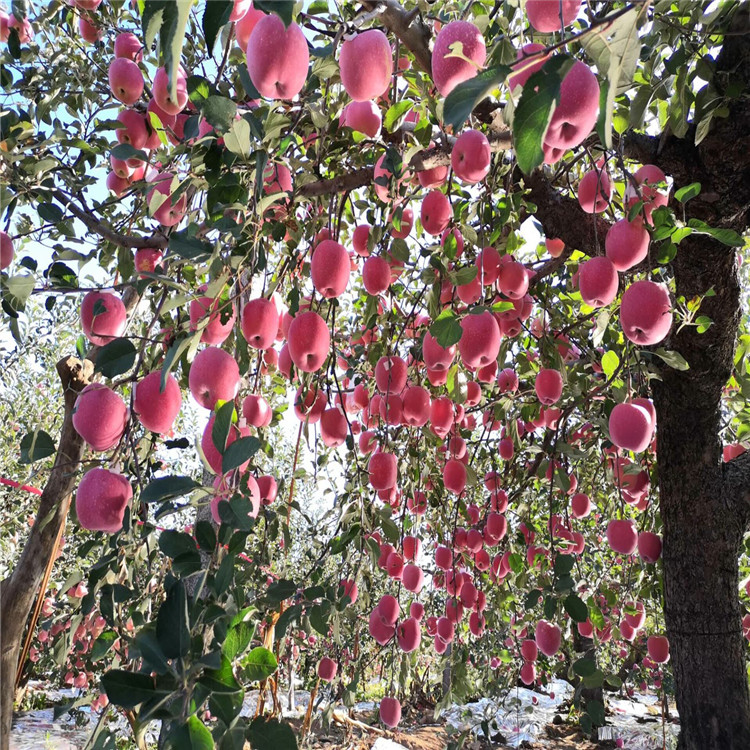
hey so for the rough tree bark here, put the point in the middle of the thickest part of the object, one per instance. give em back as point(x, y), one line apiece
point(21, 587)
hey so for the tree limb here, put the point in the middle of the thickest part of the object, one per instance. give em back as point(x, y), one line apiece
point(156, 240)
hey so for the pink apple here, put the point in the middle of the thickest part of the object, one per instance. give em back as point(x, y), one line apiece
point(390, 712)
point(101, 500)
point(171, 103)
point(363, 117)
point(436, 213)
point(327, 669)
point(631, 427)
point(595, 191)
point(544, 15)
point(646, 313)
point(480, 340)
point(448, 72)
point(103, 317)
point(157, 409)
point(622, 536)
point(649, 546)
point(213, 309)
point(330, 268)
point(129, 46)
point(376, 275)
point(277, 58)
point(598, 281)
point(526, 69)
point(7, 250)
point(125, 80)
point(366, 64)
point(214, 375)
point(658, 648)
point(383, 471)
point(309, 341)
point(260, 323)
point(100, 416)
point(627, 243)
point(548, 386)
point(471, 156)
point(547, 637)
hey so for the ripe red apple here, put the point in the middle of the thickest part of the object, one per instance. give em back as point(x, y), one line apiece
point(157, 409)
point(125, 80)
point(103, 317)
point(548, 386)
point(260, 323)
point(646, 313)
point(436, 213)
point(333, 427)
point(409, 635)
point(433, 178)
point(147, 259)
point(390, 374)
point(267, 488)
point(327, 669)
point(580, 505)
point(256, 411)
point(330, 268)
point(390, 712)
point(214, 375)
point(212, 308)
point(575, 116)
point(443, 558)
point(416, 610)
point(309, 404)
point(488, 263)
point(383, 471)
point(529, 650)
point(134, 129)
point(448, 72)
point(547, 637)
point(166, 212)
point(7, 250)
point(309, 341)
point(405, 225)
point(658, 648)
point(554, 247)
point(631, 427)
point(366, 65)
point(244, 26)
point(480, 340)
point(544, 15)
point(88, 30)
point(129, 46)
point(471, 156)
point(528, 673)
point(649, 546)
point(435, 356)
point(360, 237)
point(416, 406)
point(277, 58)
point(595, 191)
point(101, 499)
point(364, 117)
point(348, 587)
point(376, 275)
point(512, 279)
point(526, 69)
point(622, 536)
point(100, 416)
point(637, 619)
point(647, 178)
point(627, 243)
point(454, 476)
point(162, 93)
point(598, 281)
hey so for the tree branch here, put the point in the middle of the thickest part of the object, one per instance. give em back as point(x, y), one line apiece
point(156, 240)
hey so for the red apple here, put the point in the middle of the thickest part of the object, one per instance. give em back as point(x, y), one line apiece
point(100, 416)
point(309, 341)
point(101, 500)
point(214, 375)
point(366, 64)
point(125, 80)
point(103, 317)
point(448, 72)
point(598, 281)
point(157, 408)
point(471, 156)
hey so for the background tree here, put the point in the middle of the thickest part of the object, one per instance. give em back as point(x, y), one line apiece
point(234, 181)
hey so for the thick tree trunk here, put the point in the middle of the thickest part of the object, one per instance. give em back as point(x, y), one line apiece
point(20, 589)
point(702, 526)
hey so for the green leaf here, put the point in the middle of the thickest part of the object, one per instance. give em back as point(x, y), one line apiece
point(102, 644)
point(221, 680)
point(62, 275)
point(150, 650)
point(284, 9)
point(576, 608)
point(447, 329)
point(166, 488)
point(225, 415)
point(610, 363)
point(219, 111)
point(238, 452)
point(35, 446)
point(460, 103)
point(684, 194)
point(173, 543)
point(280, 590)
point(674, 359)
point(115, 358)
point(259, 664)
point(725, 236)
point(615, 48)
point(205, 536)
point(395, 114)
point(126, 151)
point(237, 139)
point(564, 564)
point(50, 212)
point(193, 734)
point(584, 667)
point(595, 709)
point(129, 689)
point(238, 639)
point(18, 289)
point(172, 624)
point(215, 16)
point(541, 94)
point(270, 734)
point(190, 248)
